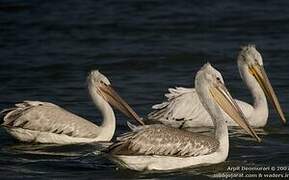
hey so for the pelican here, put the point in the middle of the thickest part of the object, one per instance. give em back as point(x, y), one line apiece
point(160, 147)
point(183, 107)
point(44, 122)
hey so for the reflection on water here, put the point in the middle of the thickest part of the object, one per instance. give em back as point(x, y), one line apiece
point(57, 149)
point(144, 47)
point(245, 152)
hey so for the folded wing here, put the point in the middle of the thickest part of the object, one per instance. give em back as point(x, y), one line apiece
point(48, 117)
point(161, 140)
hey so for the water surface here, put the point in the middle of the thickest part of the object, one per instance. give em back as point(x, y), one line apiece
point(144, 47)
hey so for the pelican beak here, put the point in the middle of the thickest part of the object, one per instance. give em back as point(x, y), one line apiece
point(229, 105)
point(260, 75)
point(111, 96)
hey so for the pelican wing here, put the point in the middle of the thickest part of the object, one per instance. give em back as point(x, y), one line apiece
point(183, 108)
point(48, 117)
point(162, 140)
point(181, 105)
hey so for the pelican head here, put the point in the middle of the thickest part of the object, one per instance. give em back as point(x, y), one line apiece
point(250, 60)
point(100, 86)
point(96, 78)
point(250, 55)
point(210, 81)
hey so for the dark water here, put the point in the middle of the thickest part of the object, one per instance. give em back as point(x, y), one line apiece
point(144, 46)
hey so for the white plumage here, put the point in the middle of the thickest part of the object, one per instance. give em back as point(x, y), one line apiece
point(159, 147)
point(43, 122)
point(183, 108)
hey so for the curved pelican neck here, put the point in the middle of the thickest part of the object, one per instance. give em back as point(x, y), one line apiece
point(221, 129)
point(108, 124)
point(260, 106)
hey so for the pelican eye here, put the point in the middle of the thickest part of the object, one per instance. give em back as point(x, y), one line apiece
point(218, 79)
point(103, 83)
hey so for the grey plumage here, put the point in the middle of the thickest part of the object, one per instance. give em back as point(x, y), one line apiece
point(162, 140)
point(48, 117)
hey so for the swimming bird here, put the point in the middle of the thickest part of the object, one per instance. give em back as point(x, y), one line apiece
point(183, 108)
point(44, 122)
point(160, 147)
